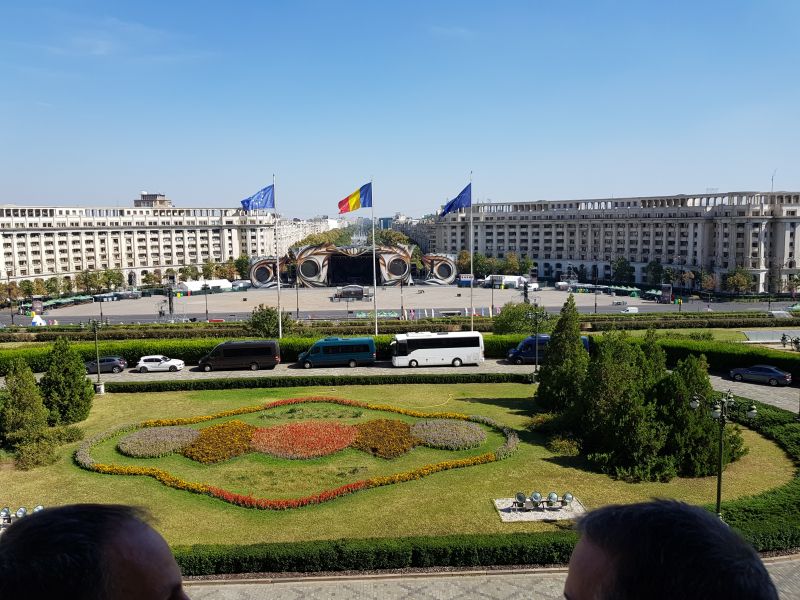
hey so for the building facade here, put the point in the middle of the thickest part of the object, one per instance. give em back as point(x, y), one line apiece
point(421, 231)
point(703, 233)
point(42, 242)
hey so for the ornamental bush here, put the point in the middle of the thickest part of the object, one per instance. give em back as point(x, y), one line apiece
point(153, 442)
point(386, 438)
point(304, 440)
point(66, 392)
point(220, 442)
point(448, 434)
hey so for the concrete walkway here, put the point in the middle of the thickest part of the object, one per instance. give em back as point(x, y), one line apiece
point(539, 584)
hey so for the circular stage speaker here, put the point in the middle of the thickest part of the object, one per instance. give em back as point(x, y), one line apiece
point(443, 270)
point(309, 269)
point(398, 267)
point(263, 274)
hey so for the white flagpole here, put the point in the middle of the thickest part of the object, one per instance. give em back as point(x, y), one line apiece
point(277, 264)
point(374, 266)
point(471, 269)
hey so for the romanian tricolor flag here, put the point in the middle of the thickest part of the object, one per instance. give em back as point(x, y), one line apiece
point(361, 198)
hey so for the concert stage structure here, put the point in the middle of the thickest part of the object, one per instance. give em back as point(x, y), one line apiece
point(327, 265)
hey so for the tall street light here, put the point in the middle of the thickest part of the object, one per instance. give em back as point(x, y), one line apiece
point(10, 300)
point(537, 316)
point(721, 411)
point(98, 387)
point(205, 289)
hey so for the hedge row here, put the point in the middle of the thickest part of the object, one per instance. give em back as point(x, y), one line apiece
point(704, 322)
point(174, 385)
point(723, 356)
point(378, 553)
point(771, 520)
point(686, 314)
point(192, 350)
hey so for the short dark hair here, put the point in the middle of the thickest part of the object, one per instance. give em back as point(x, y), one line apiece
point(61, 552)
point(669, 549)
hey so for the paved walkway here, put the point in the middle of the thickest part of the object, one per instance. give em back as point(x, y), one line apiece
point(537, 584)
point(787, 397)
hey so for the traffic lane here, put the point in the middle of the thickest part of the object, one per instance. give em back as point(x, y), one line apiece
point(296, 370)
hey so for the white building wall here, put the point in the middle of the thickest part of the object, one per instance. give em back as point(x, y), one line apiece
point(704, 232)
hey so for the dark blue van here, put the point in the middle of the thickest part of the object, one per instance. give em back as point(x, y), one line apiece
point(525, 352)
point(338, 352)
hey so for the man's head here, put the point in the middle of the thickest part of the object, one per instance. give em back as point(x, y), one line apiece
point(663, 549)
point(87, 552)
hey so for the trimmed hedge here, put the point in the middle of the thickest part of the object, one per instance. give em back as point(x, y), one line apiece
point(174, 385)
point(771, 520)
point(723, 356)
point(378, 553)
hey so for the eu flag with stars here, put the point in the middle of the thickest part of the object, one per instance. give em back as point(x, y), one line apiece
point(261, 199)
point(463, 200)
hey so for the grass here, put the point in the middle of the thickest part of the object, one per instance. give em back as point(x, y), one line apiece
point(456, 501)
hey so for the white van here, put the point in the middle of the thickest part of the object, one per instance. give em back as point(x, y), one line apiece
point(630, 310)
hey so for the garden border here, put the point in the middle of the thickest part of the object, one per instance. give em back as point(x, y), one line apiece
point(84, 458)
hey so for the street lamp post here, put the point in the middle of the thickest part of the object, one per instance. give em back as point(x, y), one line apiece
point(205, 289)
point(721, 411)
point(10, 300)
point(537, 317)
point(297, 296)
point(99, 388)
point(401, 300)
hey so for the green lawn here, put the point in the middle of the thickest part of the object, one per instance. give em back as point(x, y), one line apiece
point(457, 501)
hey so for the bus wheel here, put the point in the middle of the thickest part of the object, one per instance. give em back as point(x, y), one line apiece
point(457, 362)
point(352, 364)
point(254, 366)
point(413, 363)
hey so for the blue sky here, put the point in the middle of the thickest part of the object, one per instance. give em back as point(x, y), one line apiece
point(204, 101)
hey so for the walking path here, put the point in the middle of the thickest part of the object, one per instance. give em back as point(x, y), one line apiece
point(537, 584)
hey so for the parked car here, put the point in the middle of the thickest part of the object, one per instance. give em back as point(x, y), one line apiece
point(334, 352)
point(159, 363)
point(631, 310)
point(762, 374)
point(250, 354)
point(526, 351)
point(108, 364)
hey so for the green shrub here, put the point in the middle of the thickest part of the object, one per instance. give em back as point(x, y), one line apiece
point(232, 383)
point(64, 434)
point(379, 553)
point(66, 392)
point(563, 446)
point(35, 453)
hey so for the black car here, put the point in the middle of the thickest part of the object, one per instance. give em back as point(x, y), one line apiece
point(762, 374)
point(108, 364)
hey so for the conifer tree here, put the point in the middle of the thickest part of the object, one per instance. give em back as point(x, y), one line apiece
point(565, 363)
point(24, 417)
point(66, 392)
point(691, 434)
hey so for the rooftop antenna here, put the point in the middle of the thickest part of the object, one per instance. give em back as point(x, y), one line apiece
point(772, 182)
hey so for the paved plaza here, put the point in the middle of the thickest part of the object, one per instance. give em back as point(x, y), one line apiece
point(534, 584)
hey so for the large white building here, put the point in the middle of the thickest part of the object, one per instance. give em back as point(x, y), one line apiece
point(43, 241)
point(710, 233)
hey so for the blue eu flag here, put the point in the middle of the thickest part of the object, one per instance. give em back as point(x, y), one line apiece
point(261, 199)
point(463, 200)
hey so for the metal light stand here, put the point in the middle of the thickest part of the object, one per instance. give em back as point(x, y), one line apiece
point(721, 411)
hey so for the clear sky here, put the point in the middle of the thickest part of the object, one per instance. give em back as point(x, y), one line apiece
point(204, 101)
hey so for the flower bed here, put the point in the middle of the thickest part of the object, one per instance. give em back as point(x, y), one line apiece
point(220, 442)
point(303, 440)
point(154, 442)
point(386, 438)
point(218, 436)
point(448, 434)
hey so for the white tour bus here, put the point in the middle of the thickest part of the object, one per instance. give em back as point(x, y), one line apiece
point(446, 348)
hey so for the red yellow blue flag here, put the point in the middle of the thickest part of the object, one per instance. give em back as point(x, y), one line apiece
point(361, 198)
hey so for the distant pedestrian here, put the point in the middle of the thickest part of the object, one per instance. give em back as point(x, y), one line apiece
point(663, 550)
point(87, 552)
